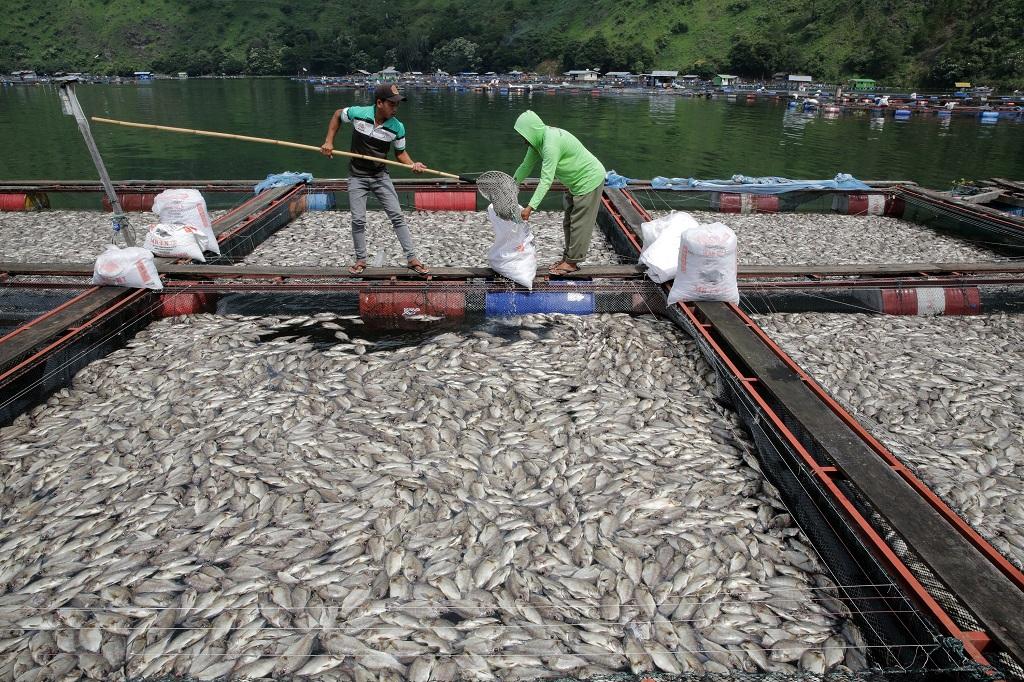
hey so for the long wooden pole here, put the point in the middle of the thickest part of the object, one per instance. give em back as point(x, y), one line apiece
point(267, 140)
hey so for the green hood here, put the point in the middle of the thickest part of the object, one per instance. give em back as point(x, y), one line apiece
point(532, 128)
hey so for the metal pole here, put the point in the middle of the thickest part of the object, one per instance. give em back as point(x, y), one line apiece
point(71, 107)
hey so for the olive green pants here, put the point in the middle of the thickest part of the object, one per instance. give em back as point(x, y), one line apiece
point(578, 223)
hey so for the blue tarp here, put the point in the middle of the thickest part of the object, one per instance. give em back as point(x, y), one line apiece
point(283, 180)
point(614, 180)
point(763, 185)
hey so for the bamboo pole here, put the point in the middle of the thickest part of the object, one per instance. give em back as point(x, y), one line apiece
point(267, 140)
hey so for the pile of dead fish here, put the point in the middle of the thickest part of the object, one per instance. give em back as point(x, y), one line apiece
point(547, 497)
point(442, 238)
point(795, 238)
point(943, 393)
point(63, 236)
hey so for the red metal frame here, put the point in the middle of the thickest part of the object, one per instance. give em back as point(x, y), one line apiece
point(825, 474)
point(953, 206)
point(227, 234)
point(50, 313)
point(72, 332)
point(130, 298)
point(972, 641)
point(993, 555)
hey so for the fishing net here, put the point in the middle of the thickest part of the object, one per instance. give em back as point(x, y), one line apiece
point(502, 191)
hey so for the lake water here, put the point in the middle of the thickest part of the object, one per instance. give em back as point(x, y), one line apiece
point(464, 132)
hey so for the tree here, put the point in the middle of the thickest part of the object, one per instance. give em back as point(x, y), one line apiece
point(263, 60)
point(456, 55)
point(703, 68)
point(413, 52)
point(10, 56)
point(754, 57)
point(232, 65)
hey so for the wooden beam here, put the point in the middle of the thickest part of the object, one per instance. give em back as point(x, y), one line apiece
point(990, 595)
point(626, 271)
point(1011, 184)
point(981, 198)
point(955, 203)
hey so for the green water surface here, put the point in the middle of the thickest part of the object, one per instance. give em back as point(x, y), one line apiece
point(639, 136)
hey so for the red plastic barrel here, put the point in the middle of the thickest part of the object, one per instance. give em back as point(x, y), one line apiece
point(454, 200)
point(932, 301)
point(765, 204)
point(406, 304)
point(132, 201)
point(728, 202)
point(175, 304)
point(31, 201)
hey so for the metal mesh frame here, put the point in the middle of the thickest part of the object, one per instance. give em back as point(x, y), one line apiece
point(36, 382)
point(19, 305)
point(901, 640)
point(990, 234)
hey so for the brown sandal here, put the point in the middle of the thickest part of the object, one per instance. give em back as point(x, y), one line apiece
point(562, 268)
point(358, 267)
point(419, 268)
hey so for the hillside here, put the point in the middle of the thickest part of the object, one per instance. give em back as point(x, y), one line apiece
point(899, 41)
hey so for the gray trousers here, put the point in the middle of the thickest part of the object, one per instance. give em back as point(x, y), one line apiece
point(382, 188)
point(578, 223)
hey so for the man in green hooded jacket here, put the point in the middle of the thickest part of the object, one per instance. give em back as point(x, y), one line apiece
point(563, 157)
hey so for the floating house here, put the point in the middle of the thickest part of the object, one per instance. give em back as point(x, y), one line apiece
point(660, 78)
point(582, 76)
point(620, 77)
point(724, 80)
point(797, 82)
point(863, 84)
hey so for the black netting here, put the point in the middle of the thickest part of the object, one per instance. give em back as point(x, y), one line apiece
point(900, 640)
point(33, 383)
point(20, 304)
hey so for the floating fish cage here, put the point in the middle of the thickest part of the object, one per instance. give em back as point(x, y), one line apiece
point(922, 617)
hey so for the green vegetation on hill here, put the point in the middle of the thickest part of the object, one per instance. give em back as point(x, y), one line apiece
point(898, 41)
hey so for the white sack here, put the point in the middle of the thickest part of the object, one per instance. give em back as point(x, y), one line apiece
point(653, 229)
point(661, 253)
point(186, 207)
point(128, 267)
point(175, 241)
point(707, 266)
point(513, 254)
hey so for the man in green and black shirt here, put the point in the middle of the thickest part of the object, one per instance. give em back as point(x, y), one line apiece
point(374, 130)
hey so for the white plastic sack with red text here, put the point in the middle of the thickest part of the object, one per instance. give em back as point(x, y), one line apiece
point(175, 241)
point(513, 254)
point(661, 244)
point(128, 267)
point(186, 207)
point(706, 266)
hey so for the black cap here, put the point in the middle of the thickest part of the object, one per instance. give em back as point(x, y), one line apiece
point(388, 92)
